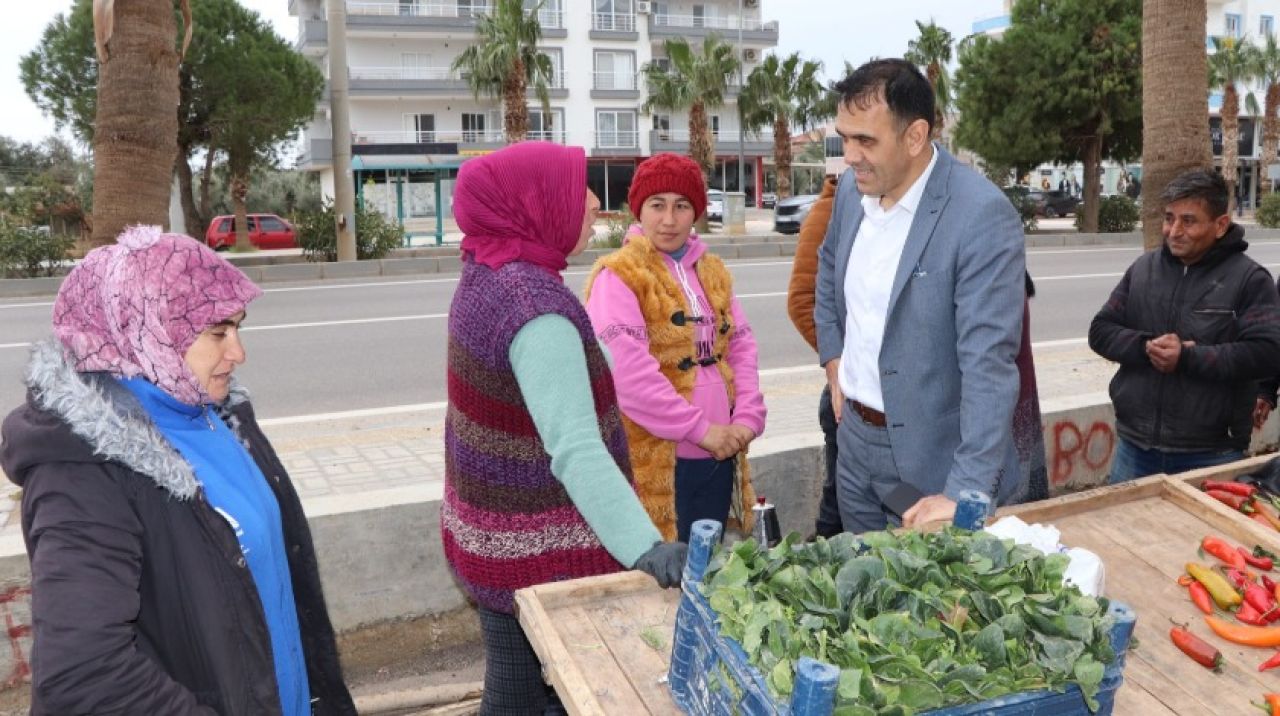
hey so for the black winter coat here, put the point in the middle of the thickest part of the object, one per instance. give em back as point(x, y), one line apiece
point(1225, 303)
point(141, 600)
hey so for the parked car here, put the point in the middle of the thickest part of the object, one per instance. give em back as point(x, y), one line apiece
point(1050, 204)
point(715, 205)
point(790, 213)
point(768, 200)
point(266, 231)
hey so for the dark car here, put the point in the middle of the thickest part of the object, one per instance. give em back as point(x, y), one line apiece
point(1051, 204)
point(791, 212)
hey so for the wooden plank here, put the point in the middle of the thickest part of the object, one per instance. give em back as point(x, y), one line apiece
point(1230, 523)
point(548, 640)
point(1049, 510)
point(1143, 690)
point(577, 591)
point(609, 684)
point(624, 624)
point(1225, 472)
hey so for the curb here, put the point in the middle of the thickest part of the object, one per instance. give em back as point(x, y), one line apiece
point(418, 698)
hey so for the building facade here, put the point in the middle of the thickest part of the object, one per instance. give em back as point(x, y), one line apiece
point(414, 120)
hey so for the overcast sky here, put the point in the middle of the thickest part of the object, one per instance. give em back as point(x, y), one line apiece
point(830, 30)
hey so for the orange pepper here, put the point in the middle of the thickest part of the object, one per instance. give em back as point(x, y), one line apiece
point(1242, 634)
point(1268, 512)
point(1273, 703)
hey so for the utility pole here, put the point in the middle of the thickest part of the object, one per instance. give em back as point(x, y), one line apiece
point(344, 190)
point(741, 84)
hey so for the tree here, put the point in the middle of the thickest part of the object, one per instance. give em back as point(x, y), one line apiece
point(1267, 69)
point(1061, 85)
point(784, 94)
point(1232, 62)
point(1175, 132)
point(932, 51)
point(695, 81)
point(135, 136)
point(255, 113)
point(505, 61)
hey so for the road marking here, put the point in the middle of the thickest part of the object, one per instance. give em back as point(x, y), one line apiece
point(1074, 277)
point(350, 414)
point(761, 295)
point(349, 322)
point(26, 305)
point(14, 345)
point(1060, 343)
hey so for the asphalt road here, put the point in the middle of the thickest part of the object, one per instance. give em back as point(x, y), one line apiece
point(370, 345)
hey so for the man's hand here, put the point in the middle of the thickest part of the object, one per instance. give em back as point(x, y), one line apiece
point(1261, 409)
point(934, 508)
point(721, 442)
point(1163, 351)
point(833, 380)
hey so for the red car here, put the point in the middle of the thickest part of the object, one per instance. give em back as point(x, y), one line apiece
point(266, 231)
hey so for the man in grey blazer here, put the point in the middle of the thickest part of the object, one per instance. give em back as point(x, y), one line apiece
point(918, 312)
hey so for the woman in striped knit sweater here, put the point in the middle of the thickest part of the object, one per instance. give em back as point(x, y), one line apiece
point(537, 479)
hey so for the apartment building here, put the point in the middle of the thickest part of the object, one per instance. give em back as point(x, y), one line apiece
point(414, 121)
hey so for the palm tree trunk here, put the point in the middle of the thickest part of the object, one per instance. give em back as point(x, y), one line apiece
point(186, 191)
point(1230, 114)
point(782, 155)
point(1092, 185)
point(1175, 135)
point(700, 148)
point(239, 190)
point(939, 119)
point(135, 135)
point(1270, 133)
point(515, 104)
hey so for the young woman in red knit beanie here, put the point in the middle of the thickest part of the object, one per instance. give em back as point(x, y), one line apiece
point(685, 361)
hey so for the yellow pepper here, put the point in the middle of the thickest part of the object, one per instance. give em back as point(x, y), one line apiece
point(1219, 588)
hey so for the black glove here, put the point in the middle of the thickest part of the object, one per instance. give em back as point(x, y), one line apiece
point(664, 562)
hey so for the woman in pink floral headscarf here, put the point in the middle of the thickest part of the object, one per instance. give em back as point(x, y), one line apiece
point(172, 567)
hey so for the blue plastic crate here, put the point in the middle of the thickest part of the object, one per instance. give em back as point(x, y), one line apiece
point(711, 676)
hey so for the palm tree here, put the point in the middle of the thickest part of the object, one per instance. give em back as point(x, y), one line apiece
point(783, 94)
point(1232, 62)
point(696, 81)
point(932, 51)
point(1267, 69)
point(505, 61)
point(1175, 135)
point(135, 138)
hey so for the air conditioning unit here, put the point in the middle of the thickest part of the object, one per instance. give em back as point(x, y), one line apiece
point(750, 54)
point(643, 7)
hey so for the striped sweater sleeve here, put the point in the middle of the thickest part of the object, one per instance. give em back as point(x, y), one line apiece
point(551, 368)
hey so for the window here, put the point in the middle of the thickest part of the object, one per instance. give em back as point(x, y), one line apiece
point(550, 16)
point(662, 122)
point(834, 147)
point(1266, 26)
point(715, 125)
point(616, 129)
point(557, 65)
point(615, 71)
point(408, 7)
point(615, 15)
point(662, 63)
point(546, 127)
point(271, 223)
point(416, 65)
point(421, 128)
point(1234, 28)
point(473, 126)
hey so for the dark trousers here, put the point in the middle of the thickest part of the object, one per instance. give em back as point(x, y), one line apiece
point(828, 524)
point(704, 488)
point(513, 684)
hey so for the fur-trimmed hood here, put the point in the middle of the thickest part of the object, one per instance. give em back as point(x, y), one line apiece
point(89, 417)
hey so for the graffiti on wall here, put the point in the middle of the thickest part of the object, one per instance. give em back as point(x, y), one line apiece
point(1079, 453)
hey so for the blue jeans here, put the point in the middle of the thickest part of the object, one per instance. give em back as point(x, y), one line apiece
point(704, 489)
point(1131, 461)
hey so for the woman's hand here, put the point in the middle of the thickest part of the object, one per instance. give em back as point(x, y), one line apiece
point(722, 441)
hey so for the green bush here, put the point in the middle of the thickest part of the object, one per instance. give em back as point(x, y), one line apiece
point(1025, 206)
point(1269, 211)
point(1116, 215)
point(375, 236)
point(30, 251)
point(616, 226)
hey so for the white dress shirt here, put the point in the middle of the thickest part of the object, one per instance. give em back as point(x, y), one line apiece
point(873, 263)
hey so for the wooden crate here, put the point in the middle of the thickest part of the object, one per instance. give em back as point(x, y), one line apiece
point(588, 632)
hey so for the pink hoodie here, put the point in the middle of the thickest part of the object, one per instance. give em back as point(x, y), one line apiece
point(644, 394)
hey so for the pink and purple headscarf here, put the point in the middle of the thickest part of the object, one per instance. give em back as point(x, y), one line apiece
point(134, 308)
point(522, 203)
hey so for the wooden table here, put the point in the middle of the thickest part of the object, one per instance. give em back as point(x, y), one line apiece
point(605, 641)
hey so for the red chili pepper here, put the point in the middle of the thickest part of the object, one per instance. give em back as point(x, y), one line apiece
point(1271, 663)
point(1185, 580)
point(1270, 585)
point(1235, 488)
point(1237, 578)
point(1247, 614)
point(1204, 653)
point(1224, 551)
point(1235, 502)
point(1262, 600)
point(1263, 563)
point(1200, 597)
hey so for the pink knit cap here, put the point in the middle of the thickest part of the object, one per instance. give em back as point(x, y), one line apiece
point(134, 308)
point(522, 203)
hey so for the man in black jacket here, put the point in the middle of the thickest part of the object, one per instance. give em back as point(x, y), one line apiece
point(1194, 327)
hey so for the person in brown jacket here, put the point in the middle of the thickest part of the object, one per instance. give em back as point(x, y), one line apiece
point(800, 300)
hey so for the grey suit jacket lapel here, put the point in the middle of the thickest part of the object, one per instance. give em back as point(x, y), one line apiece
point(922, 225)
point(846, 246)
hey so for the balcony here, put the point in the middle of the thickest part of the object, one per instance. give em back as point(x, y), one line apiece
point(615, 85)
point(316, 152)
point(726, 143)
point(411, 142)
point(442, 82)
point(552, 22)
point(409, 15)
point(616, 143)
point(753, 30)
point(313, 37)
point(613, 26)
